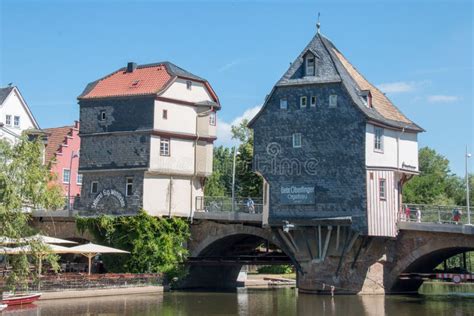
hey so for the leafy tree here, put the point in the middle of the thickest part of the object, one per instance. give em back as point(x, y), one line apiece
point(155, 244)
point(25, 182)
point(435, 184)
point(248, 183)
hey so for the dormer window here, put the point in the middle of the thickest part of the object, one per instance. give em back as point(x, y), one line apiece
point(366, 98)
point(310, 65)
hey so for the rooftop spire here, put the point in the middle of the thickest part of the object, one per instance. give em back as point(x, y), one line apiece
point(318, 25)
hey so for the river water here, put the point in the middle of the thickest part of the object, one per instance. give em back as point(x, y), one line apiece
point(259, 302)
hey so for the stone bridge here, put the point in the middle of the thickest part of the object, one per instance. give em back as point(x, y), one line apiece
point(324, 256)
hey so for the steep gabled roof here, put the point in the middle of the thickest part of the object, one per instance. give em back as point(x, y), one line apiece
point(332, 66)
point(56, 138)
point(149, 79)
point(4, 92)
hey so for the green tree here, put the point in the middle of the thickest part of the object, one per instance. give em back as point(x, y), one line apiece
point(25, 182)
point(248, 183)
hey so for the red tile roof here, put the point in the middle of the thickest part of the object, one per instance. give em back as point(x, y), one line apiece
point(142, 81)
point(56, 137)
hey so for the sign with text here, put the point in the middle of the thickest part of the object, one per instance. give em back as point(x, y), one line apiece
point(297, 194)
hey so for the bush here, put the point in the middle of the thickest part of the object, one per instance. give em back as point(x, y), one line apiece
point(276, 269)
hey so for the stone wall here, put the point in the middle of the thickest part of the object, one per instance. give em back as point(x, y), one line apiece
point(332, 156)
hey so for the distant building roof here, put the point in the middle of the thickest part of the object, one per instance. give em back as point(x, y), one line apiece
point(333, 67)
point(56, 137)
point(139, 80)
point(4, 92)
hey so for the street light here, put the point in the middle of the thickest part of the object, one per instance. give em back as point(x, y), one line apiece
point(233, 178)
point(73, 155)
point(467, 156)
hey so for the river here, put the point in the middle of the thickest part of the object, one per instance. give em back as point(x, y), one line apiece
point(259, 302)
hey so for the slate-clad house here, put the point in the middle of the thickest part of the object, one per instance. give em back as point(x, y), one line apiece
point(332, 147)
point(147, 136)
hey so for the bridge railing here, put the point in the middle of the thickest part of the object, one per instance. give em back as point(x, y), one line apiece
point(219, 204)
point(440, 214)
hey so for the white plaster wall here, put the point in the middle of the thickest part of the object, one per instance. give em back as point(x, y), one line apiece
point(181, 118)
point(156, 197)
point(181, 197)
point(14, 107)
point(408, 149)
point(179, 91)
point(180, 161)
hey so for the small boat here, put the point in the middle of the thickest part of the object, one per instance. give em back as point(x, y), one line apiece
point(3, 306)
point(20, 299)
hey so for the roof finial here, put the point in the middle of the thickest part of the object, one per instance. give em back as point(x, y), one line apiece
point(318, 25)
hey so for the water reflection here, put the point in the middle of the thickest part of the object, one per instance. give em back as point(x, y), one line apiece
point(258, 302)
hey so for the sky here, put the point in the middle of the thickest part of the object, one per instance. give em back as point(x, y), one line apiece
point(420, 53)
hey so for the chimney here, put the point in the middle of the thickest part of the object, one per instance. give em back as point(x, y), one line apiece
point(131, 66)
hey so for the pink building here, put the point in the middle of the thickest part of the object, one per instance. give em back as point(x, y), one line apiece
point(62, 154)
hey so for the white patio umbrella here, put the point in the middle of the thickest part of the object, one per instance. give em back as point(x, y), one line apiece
point(27, 249)
point(91, 250)
point(47, 240)
point(6, 240)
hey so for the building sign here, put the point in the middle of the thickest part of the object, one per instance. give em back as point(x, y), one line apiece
point(107, 193)
point(407, 166)
point(297, 194)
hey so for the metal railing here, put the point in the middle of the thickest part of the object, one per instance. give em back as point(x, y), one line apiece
point(224, 204)
point(439, 214)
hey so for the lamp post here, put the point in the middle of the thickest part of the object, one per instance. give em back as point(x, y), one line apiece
point(233, 179)
point(467, 156)
point(73, 155)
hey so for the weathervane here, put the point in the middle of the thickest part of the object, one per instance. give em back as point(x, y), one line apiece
point(318, 25)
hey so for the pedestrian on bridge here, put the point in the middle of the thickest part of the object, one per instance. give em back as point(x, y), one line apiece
point(407, 214)
point(456, 215)
point(250, 205)
point(418, 215)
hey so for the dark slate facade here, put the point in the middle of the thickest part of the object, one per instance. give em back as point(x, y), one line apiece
point(331, 158)
point(114, 149)
point(326, 177)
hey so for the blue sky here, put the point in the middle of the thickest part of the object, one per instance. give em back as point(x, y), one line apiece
point(419, 53)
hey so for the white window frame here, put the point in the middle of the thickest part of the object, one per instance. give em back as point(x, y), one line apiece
point(96, 186)
point(295, 138)
point(283, 104)
point(165, 146)
point(313, 101)
point(378, 139)
point(64, 174)
point(189, 84)
point(128, 186)
point(303, 102)
point(79, 179)
point(16, 121)
point(212, 118)
point(382, 189)
point(310, 70)
point(333, 100)
point(8, 120)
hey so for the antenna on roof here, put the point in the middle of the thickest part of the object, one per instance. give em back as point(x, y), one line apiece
point(318, 25)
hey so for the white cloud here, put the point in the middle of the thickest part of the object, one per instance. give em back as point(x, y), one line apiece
point(224, 129)
point(397, 87)
point(442, 98)
point(229, 65)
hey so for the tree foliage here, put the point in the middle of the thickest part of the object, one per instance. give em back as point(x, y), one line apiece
point(25, 183)
point(436, 184)
point(247, 182)
point(155, 244)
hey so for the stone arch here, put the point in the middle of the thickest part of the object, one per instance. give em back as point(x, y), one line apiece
point(211, 239)
point(425, 258)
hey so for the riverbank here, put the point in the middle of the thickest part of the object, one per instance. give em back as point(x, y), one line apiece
point(447, 288)
point(270, 280)
point(86, 293)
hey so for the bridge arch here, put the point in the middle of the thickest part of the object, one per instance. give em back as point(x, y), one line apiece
point(214, 240)
point(426, 258)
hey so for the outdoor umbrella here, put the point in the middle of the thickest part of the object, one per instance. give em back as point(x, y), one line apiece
point(6, 240)
point(47, 240)
point(27, 249)
point(90, 250)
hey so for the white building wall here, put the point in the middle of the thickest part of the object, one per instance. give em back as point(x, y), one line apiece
point(407, 150)
point(180, 118)
point(180, 161)
point(13, 106)
point(179, 91)
point(382, 213)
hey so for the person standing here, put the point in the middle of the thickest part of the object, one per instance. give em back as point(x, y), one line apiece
point(250, 205)
point(418, 215)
